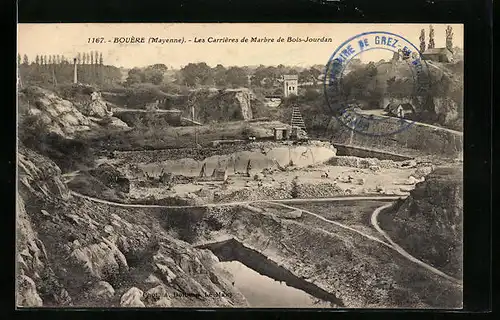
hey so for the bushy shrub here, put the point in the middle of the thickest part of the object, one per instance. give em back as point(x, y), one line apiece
point(140, 94)
point(72, 91)
point(68, 154)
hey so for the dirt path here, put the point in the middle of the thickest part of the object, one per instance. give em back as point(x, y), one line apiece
point(131, 205)
point(460, 133)
point(405, 254)
point(335, 222)
point(390, 243)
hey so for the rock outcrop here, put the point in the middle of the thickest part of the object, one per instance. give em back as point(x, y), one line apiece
point(41, 176)
point(446, 110)
point(52, 113)
point(359, 271)
point(132, 298)
point(243, 96)
point(27, 294)
point(75, 252)
point(48, 112)
point(217, 105)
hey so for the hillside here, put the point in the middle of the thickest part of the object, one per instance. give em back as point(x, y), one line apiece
point(428, 223)
point(214, 105)
point(72, 252)
point(375, 85)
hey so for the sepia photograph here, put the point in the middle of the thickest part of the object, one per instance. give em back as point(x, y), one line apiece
point(240, 165)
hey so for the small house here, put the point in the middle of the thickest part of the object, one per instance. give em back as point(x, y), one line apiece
point(290, 84)
point(281, 133)
point(400, 110)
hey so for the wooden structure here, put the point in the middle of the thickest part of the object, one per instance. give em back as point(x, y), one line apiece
point(219, 174)
point(298, 125)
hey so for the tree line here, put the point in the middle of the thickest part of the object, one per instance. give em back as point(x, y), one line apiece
point(152, 74)
point(92, 57)
point(200, 74)
point(58, 69)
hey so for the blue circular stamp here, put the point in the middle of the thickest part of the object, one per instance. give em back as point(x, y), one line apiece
point(398, 98)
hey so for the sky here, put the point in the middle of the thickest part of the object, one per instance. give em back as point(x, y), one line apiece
point(69, 39)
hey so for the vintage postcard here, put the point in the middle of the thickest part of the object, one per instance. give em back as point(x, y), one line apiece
point(240, 165)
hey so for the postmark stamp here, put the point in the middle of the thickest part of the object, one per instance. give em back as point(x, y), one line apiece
point(405, 55)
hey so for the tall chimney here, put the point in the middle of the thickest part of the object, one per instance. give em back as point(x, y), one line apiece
point(75, 73)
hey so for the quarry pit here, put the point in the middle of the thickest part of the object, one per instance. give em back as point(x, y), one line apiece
point(206, 225)
point(296, 220)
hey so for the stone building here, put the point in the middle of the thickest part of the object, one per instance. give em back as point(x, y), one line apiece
point(290, 85)
point(438, 55)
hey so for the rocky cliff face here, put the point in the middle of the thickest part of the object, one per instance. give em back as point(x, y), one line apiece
point(73, 252)
point(448, 111)
point(429, 223)
point(52, 113)
point(48, 112)
point(415, 138)
point(224, 105)
point(244, 98)
point(216, 105)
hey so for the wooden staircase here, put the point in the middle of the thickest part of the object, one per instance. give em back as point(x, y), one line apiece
point(297, 120)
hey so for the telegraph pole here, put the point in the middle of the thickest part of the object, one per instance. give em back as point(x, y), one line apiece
point(75, 72)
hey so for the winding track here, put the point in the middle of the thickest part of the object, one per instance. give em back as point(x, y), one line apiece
point(222, 204)
point(338, 223)
point(404, 253)
point(390, 243)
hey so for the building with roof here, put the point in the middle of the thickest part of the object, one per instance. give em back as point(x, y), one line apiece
point(281, 133)
point(438, 55)
point(290, 84)
point(400, 110)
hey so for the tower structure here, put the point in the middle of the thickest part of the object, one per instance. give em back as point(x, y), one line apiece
point(290, 84)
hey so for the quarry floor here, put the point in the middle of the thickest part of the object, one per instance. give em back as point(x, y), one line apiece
point(273, 167)
point(387, 181)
